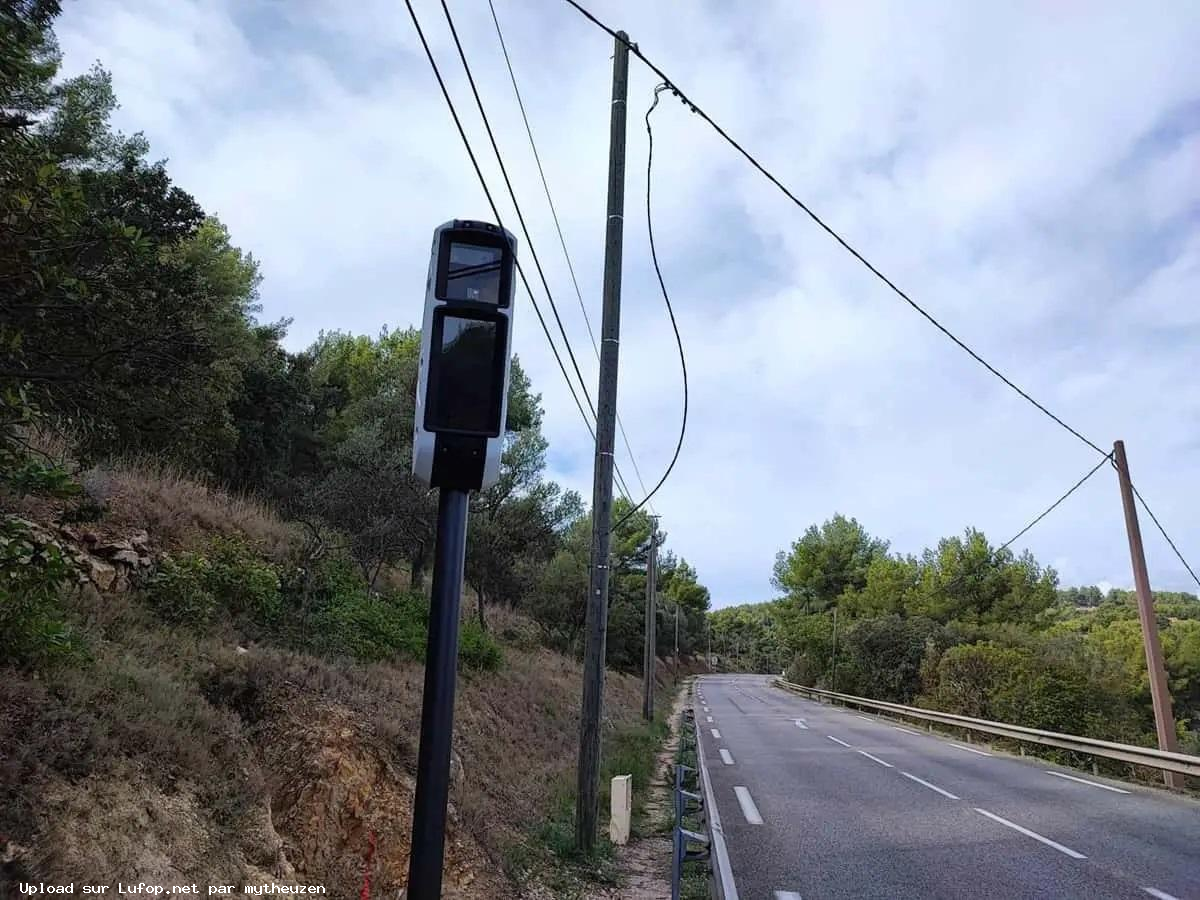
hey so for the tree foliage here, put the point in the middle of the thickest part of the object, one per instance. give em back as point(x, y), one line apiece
point(129, 324)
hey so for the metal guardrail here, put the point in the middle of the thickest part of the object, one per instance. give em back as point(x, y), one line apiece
point(1139, 756)
point(686, 845)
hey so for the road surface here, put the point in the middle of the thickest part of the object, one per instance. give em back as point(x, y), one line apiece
point(821, 802)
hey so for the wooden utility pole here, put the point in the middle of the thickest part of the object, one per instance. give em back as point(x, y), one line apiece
point(834, 685)
point(649, 655)
point(677, 643)
point(1160, 694)
point(588, 782)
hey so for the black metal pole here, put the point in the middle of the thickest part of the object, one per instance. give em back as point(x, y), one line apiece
point(437, 703)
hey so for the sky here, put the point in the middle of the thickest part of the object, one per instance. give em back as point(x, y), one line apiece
point(1029, 172)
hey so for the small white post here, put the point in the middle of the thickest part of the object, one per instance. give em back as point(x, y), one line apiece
point(622, 809)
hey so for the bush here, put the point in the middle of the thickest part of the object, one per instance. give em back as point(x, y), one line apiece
point(477, 649)
point(243, 581)
point(32, 578)
point(371, 628)
point(189, 587)
point(179, 591)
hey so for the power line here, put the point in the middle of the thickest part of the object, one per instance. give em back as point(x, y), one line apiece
point(524, 230)
point(675, 89)
point(496, 212)
point(1163, 532)
point(516, 206)
point(1076, 486)
point(558, 227)
point(633, 48)
point(670, 311)
point(962, 576)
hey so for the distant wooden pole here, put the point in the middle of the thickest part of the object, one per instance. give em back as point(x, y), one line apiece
point(649, 654)
point(1160, 694)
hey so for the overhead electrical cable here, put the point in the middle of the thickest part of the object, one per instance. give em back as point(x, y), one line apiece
point(1163, 532)
point(846, 245)
point(675, 89)
point(962, 576)
point(666, 299)
point(558, 227)
point(524, 229)
point(496, 212)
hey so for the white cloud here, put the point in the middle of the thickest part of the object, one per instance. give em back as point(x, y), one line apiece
point(1027, 172)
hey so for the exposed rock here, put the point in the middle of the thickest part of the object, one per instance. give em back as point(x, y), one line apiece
point(458, 774)
point(145, 562)
point(101, 573)
point(90, 537)
point(128, 557)
point(122, 584)
point(112, 548)
point(140, 539)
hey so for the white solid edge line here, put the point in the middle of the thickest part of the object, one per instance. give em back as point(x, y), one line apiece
point(726, 756)
point(968, 749)
point(1106, 787)
point(875, 759)
point(787, 895)
point(864, 718)
point(907, 730)
point(1161, 895)
point(1074, 854)
point(716, 734)
point(837, 740)
point(722, 866)
point(746, 802)
point(932, 787)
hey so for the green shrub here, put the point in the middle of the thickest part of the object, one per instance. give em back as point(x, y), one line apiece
point(189, 587)
point(371, 628)
point(243, 581)
point(180, 590)
point(32, 579)
point(477, 649)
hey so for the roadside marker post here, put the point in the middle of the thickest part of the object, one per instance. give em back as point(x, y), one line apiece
point(458, 436)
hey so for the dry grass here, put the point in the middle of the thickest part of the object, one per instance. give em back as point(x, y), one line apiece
point(180, 509)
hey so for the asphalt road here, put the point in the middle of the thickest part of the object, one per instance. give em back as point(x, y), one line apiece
point(820, 802)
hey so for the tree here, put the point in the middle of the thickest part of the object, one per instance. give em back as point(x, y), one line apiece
point(825, 562)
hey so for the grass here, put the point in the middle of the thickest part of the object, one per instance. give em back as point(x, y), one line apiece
point(178, 508)
point(549, 849)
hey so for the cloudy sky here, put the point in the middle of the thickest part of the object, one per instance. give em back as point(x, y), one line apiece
point(1030, 172)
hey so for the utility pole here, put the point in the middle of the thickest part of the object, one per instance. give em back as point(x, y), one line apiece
point(649, 655)
point(588, 783)
point(677, 643)
point(834, 685)
point(1160, 695)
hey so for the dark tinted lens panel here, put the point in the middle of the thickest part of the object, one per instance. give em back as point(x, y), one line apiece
point(466, 372)
point(473, 273)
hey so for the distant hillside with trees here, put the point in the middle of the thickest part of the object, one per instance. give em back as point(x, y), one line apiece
point(967, 628)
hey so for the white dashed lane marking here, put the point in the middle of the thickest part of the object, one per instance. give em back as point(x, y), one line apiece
point(1105, 787)
point(726, 756)
point(749, 810)
point(932, 787)
point(876, 759)
point(1074, 854)
point(837, 740)
point(716, 734)
point(970, 750)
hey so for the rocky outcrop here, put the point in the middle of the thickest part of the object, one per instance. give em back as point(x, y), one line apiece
point(108, 563)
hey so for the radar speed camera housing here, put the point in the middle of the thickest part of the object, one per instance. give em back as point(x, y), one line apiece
point(466, 337)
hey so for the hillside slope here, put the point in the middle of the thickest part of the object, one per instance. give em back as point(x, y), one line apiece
point(173, 754)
